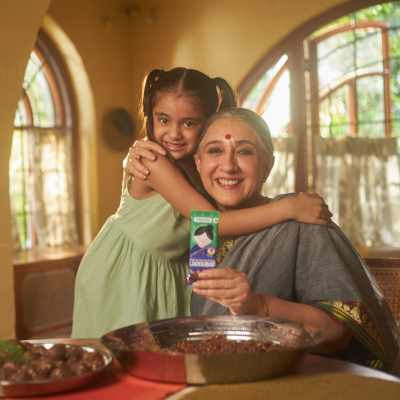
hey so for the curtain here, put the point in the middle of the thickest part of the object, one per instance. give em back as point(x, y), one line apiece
point(51, 187)
point(359, 179)
point(14, 230)
point(282, 177)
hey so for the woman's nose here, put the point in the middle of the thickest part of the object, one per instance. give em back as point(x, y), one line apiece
point(228, 163)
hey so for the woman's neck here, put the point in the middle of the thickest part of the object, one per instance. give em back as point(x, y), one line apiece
point(261, 200)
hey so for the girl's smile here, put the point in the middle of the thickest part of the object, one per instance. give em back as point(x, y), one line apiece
point(178, 121)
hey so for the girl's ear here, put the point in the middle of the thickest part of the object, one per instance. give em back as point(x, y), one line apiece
point(198, 162)
point(268, 166)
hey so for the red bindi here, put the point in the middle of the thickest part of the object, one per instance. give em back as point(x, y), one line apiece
point(228, 136)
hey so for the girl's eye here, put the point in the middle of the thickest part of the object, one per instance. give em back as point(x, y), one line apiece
point(163, 120)
point(188, 123)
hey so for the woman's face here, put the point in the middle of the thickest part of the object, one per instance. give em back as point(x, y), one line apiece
point(232, 165)
point(177, 121)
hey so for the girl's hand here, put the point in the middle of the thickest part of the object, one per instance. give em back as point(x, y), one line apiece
point(229, 288)
point(141, 148)
point(310, 208)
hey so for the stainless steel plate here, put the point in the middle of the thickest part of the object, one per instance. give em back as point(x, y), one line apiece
point(48, 386)
point(202, 369)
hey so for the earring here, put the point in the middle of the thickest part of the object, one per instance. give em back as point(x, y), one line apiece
point(264, 180)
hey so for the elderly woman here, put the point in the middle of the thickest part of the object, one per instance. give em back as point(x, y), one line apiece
point(296, 271)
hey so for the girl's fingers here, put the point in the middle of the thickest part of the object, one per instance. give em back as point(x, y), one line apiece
point(137, 169)
point(140, 152)
point(148, 145)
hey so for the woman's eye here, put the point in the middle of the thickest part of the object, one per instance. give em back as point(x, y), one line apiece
point(188, 123)
point(245, 152)
point(163, 120)
point(213, 150)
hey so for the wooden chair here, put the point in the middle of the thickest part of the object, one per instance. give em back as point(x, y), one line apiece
point(386, 272)
point(44, 282)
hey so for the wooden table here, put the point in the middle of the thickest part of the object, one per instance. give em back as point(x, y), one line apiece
point(312, 365)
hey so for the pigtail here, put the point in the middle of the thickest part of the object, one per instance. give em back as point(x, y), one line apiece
point(146, 101)
point(227, 94)
point(148, 82)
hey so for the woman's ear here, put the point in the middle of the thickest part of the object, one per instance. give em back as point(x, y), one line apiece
point(198, 162)
point(268, 166)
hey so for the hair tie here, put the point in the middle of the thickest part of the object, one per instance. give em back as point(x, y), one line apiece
point(157, 76)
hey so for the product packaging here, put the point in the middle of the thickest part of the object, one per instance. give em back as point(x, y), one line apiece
point(203, 242)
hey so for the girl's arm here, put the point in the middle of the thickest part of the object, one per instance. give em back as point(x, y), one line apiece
point(167, 180)
point(231, 288)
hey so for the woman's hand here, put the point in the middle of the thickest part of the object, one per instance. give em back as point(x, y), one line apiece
point(141, 148)
point(229, 288)
point(310, 208)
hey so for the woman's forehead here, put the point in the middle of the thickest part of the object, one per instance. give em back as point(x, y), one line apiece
point(230, 129)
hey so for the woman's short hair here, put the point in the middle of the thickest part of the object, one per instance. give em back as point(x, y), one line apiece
point(252, 119)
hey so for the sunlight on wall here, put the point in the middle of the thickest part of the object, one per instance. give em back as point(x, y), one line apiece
point(86, 119)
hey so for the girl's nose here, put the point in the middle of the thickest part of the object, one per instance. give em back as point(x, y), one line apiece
point(175, 132)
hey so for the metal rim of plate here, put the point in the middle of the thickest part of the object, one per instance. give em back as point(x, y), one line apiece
point(41, 387)
point(196, 369)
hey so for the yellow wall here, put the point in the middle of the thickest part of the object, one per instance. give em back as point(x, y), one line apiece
point(19, 23)
point(100, 32)
point(220, 37)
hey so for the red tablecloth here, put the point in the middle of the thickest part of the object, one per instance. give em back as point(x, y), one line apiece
point(117, 385)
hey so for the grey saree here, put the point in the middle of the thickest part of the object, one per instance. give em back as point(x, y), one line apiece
point(315, 265)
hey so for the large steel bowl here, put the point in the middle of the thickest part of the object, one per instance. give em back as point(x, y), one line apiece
point(203, 369)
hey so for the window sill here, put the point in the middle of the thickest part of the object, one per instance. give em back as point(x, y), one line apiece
point(33, 256)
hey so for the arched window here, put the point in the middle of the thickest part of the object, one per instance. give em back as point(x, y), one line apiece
point(334, 90)
point(42, 183)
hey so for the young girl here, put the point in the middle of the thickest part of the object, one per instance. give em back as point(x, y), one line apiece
point(136, 268)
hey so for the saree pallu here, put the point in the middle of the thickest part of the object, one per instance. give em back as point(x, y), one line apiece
point(315, 265)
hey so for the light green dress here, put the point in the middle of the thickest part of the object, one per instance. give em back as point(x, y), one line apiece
point(135, 270)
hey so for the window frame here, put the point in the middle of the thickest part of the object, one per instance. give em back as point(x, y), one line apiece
point(65, 110)
point(292, 45)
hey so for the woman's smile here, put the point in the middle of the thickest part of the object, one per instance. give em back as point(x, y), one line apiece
point(228, 183)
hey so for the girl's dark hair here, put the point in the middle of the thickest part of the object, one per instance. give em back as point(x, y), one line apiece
point(205, 229)
point(211, 94)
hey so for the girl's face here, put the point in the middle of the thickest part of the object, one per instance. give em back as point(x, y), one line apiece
point(202, 240)
point(178, 121)
point(232, 165)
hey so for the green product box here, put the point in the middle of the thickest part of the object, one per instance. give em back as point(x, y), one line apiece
point(203, 242)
